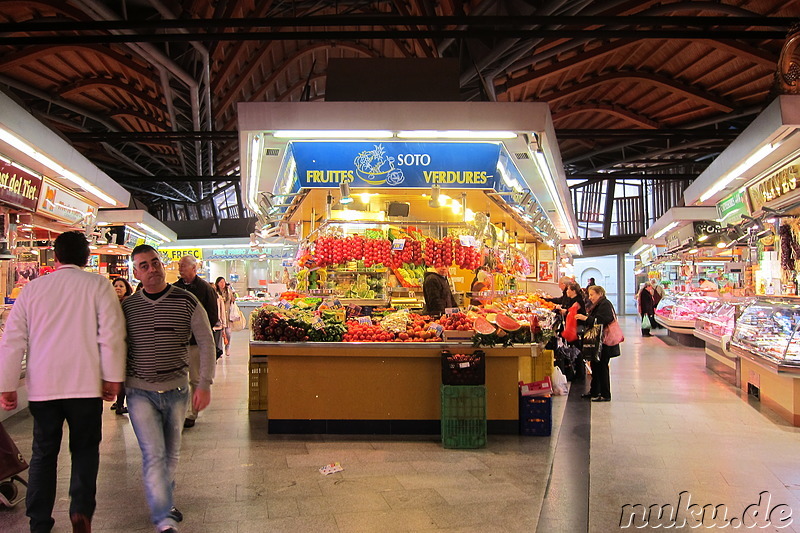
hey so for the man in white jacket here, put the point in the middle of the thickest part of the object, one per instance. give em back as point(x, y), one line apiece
point(71, 325)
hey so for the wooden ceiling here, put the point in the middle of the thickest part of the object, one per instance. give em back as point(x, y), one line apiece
point(146, 89)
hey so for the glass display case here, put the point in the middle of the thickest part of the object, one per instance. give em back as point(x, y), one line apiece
point(768, 328)
point(682, 309)
point(716, 323)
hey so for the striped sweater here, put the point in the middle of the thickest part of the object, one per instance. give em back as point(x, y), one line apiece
point(158, 340)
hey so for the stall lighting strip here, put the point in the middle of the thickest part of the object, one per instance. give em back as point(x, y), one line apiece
point(670, 226)
point(737, 172)
point(642, 249)
point(27, 149)
point(544, 169)
point(153, 232)
point(333, 134)
point(252, 192)
point(456, 134)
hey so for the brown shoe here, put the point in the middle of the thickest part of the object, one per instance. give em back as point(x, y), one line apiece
point(80, 523)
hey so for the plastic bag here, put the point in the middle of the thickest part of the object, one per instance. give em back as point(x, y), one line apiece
point(570, 333)
point(646, 322)
point(560, 387)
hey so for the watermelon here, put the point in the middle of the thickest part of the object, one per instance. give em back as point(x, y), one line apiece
point(506, 322)
point(483, 326)
point(491, 317)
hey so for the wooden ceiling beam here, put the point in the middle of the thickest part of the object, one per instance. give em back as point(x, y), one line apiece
point(615, 110)
point(671, 85)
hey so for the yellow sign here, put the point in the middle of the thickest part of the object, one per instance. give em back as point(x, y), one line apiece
point(773, 187)
point(175, 255)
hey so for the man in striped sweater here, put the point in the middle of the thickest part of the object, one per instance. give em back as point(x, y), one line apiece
point(160, 320)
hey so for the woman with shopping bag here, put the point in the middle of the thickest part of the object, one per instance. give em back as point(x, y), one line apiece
point(602, 313)
point(225, 300)
point(648, 299)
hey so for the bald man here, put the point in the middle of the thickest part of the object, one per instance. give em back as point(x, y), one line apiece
point(190, 281)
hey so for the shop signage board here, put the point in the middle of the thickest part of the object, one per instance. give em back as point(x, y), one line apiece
point(732, 208)
point(19, 188)
point(397, 164)
point(64, 205)
point(239, 253)
point(774, 187)
point(175, 255)
point(706, 227)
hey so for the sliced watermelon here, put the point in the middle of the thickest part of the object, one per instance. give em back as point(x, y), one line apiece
point(507, 323)
point(483, 326)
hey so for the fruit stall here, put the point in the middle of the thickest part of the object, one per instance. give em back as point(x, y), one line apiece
point(375, 207)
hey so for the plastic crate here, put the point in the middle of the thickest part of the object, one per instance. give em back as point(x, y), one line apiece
point(535, 415)
point(463, 416)
point(464, 372)
point(536, 427)
point(258, 386)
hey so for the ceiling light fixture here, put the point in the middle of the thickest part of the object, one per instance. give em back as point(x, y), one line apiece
point(434, 201)
point(333, 134)
point(670, 226)
point(455, 134)
point(544, 170)
point(737, 171)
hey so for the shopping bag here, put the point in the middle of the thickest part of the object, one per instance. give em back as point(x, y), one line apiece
point(235, 317)
point(592, 343)
point(646, 322)
point(570, 333)
point(11, 461)
point(612, 335)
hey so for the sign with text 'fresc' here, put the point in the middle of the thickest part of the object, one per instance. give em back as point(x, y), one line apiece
point(396, 164)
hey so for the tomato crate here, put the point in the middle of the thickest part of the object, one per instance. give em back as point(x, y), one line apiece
point(463, 416)
point(463, 368)
point(535, 415)
point(258, 386)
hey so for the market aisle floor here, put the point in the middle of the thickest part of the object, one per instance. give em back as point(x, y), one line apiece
point(235, 478)
point(672, 426)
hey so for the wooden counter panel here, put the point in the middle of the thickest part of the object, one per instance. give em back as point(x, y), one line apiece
point(372, 381)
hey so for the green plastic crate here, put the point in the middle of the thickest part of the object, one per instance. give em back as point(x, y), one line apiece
point(463, 416)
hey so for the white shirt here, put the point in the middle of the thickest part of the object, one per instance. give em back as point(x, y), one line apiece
point(70, 322)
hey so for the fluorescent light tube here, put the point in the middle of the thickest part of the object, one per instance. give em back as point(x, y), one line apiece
point(333, 134)
point(455, 134)
point(669, 227)
point(737, 171)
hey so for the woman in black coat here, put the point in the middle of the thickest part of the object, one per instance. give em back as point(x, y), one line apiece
point(602, 312)
point(648, 299)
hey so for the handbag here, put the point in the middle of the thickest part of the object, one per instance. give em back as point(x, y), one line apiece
point(11, 461)
point(646, 322)
point(235, 318)
point(592, 343)
point(612, 335)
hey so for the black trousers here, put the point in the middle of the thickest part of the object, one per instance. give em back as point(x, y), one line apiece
point(84, 418)
point(601, 379)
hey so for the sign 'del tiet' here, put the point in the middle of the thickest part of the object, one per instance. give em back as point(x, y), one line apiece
point(19, 188)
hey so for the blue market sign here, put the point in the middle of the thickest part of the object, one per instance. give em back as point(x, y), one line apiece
point(404, 165)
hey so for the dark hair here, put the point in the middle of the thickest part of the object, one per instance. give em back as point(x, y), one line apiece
point(574, 286)
point(142, 249)
point(216, 284)
point(72, 248)
point(128, 289)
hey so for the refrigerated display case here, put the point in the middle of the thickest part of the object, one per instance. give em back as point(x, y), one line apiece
point(767, 342)
point(715, 327)
point(678, 313)
point(768, 329)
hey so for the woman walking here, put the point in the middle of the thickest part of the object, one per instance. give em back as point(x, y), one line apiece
point(648, 299)
point(225, 297)
point(602, 312)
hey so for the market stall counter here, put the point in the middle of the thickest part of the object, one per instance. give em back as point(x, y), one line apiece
point(378, 388)
point(678, 312)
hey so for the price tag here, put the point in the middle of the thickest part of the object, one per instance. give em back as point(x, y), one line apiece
point(398, 244)
point(364, 320)
point(451, 310)
point(340, 315)
point(335, 304)
point(467, 240)
point(464, 365)
point(284, 304)
point(436, 328)
point(317, 323)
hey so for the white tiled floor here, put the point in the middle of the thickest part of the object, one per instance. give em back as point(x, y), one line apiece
point(673, 426)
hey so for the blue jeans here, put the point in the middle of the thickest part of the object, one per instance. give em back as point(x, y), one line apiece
point(84, 417)
point(157, 419)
